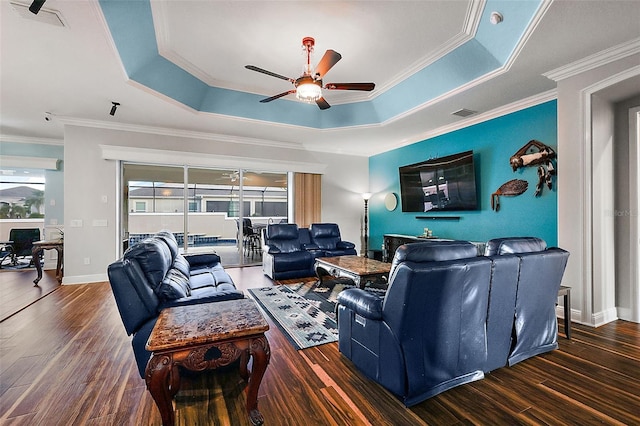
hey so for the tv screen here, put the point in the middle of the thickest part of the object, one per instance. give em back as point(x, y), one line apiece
point(442, 184)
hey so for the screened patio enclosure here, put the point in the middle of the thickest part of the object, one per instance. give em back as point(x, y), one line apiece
point(210, 204)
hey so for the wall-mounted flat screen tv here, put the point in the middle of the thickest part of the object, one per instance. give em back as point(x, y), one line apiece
point(441, 184)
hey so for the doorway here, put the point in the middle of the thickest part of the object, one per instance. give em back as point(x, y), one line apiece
point(614, 112)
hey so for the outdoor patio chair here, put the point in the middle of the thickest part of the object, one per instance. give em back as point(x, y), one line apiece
point(22, 243)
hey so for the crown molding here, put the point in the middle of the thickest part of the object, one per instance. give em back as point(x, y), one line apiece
point(535, 21)
point(160, 24)
point(467, 32)
point(476, 119)
point(604, 57)
point(33, 140)
point(166, 131)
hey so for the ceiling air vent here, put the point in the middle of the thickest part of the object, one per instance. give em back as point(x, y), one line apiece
point(464, 112)
point(47, 16)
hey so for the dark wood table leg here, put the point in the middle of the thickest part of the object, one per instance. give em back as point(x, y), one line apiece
point(162, 385)
point(244, 362)
point(59, 265)
point(261, 354)
point(567, 313)
point(565, 292)
point(35, 255)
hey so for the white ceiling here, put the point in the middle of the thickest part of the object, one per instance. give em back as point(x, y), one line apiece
point(75, 72)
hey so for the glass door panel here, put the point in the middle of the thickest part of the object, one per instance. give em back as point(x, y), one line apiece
point(265, 202)
point(154, 200)
point(213, 200)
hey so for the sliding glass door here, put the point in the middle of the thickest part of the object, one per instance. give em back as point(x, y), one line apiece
point(265, 200)
point(211, 218)
point(153, 200)
point(217, 210)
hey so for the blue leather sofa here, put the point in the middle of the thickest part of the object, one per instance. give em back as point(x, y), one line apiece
point(449, 316)
point(290, 252)
point(152, 275)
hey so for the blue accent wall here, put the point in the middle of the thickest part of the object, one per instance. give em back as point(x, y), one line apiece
point(493, 142)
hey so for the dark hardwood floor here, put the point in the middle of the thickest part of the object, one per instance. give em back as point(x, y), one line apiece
point(17, 290)
point(66, 360)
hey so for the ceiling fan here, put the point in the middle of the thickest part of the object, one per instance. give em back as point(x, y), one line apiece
point(308, 87)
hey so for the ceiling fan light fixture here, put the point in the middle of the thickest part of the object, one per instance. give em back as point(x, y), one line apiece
point(309, 91)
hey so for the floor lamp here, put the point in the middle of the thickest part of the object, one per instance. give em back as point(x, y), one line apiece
point(366, 197)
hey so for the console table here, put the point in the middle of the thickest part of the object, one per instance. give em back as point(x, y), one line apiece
point(393, 241)
point(39, 247)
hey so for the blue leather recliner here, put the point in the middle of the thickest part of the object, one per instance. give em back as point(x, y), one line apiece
point(525, 281)
point(449, 316)
point(283, 254)
point(326, 237)
point(152, 275)
point(427, 334)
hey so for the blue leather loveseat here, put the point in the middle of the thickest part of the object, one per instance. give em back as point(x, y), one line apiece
point(290, 252)
point(152, 275)
point(449, 316)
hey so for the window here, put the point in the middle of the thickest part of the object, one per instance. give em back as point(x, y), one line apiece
point(22, 193)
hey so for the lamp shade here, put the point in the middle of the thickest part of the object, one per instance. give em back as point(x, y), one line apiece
point(308, 90)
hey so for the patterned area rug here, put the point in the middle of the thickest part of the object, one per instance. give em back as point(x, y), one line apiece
point(304, 311)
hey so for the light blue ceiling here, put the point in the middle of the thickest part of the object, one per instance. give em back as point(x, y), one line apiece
point(132, 29)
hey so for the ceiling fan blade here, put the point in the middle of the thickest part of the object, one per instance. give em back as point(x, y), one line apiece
point(367, 87)
point(272, 74)
point(278, 96)
point(323, 104)
point(330, 58)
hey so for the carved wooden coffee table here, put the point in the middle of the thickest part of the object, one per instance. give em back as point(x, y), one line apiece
point(360, 270)
point(202, 337)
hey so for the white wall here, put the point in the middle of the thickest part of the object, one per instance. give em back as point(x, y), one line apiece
point(92, 186)
point(576, 229)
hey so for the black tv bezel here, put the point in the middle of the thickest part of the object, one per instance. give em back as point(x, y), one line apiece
point(410, 199)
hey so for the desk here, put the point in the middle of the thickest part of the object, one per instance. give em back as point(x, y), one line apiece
point(39, 247)
point(206, 336)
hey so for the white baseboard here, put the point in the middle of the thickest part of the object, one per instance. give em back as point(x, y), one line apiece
point(576, 315)
point(85, 279)
point(604, 317)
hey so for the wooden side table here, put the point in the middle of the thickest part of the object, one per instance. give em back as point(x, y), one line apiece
point(565, 292)
point(202, 337)
point(38, 247)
